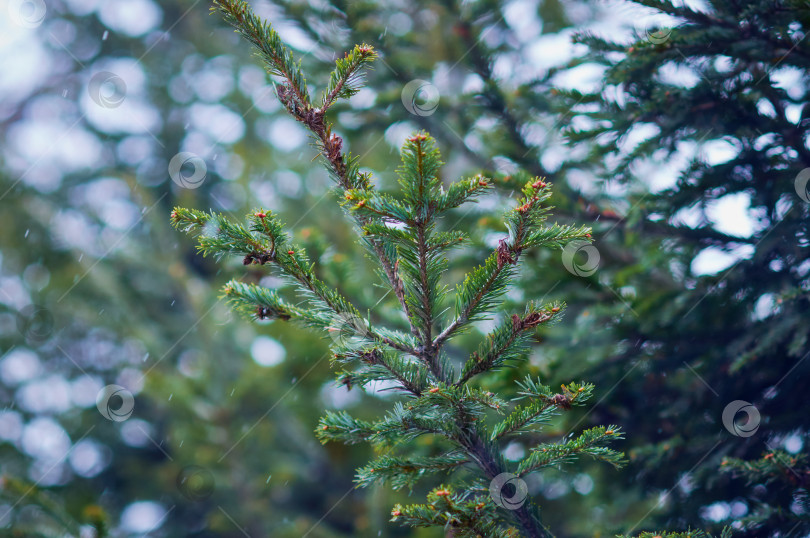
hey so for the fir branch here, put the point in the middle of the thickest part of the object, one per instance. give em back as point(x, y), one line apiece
point(556, 236)
point(403, 235)
point(524, 418)
point(468, 401)
point(464, 190)
point(531, 388)
point(543, 407)
point(383, 365)
point(418, 175)
point(442, 241)
point(479, 292)
point(375, 205)
point(277, 57)
point(421, 269)
point(588, 442)
point(484, 286)
point(508, 341)
point(219, 236)
point(775, 465)
point(484, 398)
point(690, 533)
point(418, 251)
point(400, 425)
point(390, 266)
point(396, 236)
point(346, 80)
point(402, 472)
point(344, 428)
point(467, 516)
point(260, 302)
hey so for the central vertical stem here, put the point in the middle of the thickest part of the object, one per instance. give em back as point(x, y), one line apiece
point(430, 351)
point(489, 464)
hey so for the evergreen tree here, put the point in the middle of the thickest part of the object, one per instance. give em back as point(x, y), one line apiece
point(735, 72)
point(406, 235)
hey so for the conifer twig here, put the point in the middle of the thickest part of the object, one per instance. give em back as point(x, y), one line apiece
point(404, 232)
